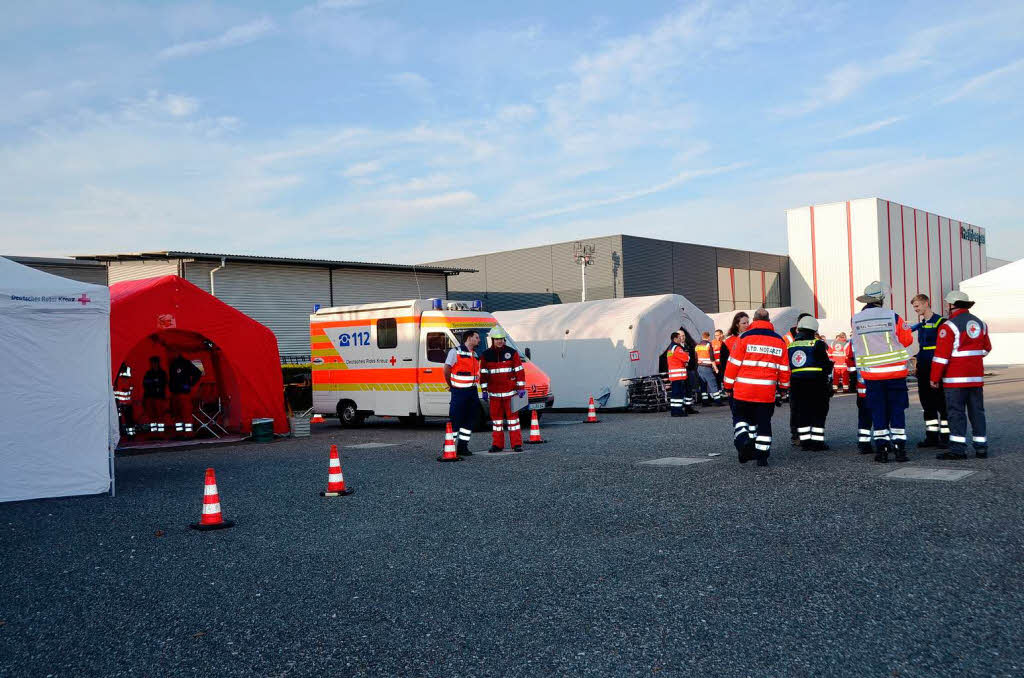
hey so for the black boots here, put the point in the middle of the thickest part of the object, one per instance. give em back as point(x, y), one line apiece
point(900, 447)
point(882, 453)
point(462, 449)
point(931, 439)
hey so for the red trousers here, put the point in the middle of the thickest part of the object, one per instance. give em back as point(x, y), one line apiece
point(501, 413)
point(840, 377)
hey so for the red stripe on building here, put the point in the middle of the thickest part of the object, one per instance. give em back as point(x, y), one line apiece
point(888, 246)
point(917, 257)
point(970, 253)
point(814, 265)
point(903, 253)
point(928, 243)
point(849, 252)
point(938, 239)
point(764, 292)
point(952, 275)
point(732, 283)
point(961, 249)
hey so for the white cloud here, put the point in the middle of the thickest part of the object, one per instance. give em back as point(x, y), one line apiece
point(985, 80)
point(233, 37)
point(517, 113)
point(872, 127)
point(413, 83)
point(677, 180)
point(342, 4)
point(363, 169)
point(180, 106)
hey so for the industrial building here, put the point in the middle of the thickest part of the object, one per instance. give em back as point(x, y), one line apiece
point(713, 278)
point(837, 249)
point(92, 272)
point(281, 292)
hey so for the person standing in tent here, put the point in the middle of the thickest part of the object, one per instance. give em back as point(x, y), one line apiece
point(692, 378)
point(501, 378)
point(880, 338)
point(184, 375)
point(958, 365)
point(677, 358)
point(154, 395)
point(461, 373)
point(933, 401)
point(758, 365)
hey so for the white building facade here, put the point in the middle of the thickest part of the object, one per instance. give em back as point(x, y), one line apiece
point(837, 249)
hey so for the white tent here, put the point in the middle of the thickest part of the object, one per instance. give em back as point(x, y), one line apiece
point(58, 421)
point(591, 348)
point(999, 297)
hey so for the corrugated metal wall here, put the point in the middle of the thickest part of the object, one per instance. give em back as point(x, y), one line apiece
point(280, 297)
point(96, 275)
point(695, 274)
point(650, 266)
point(137, 270)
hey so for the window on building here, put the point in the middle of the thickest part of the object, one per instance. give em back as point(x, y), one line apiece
point(387, 333)
point(741, 288)
point(438, 345)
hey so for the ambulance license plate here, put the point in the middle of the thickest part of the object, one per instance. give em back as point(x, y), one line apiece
point(538, 406)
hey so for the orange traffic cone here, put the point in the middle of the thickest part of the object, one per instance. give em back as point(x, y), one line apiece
point(316, 419)
point(335, 478)
point(535, 438)
point(449, 453)
point(591, 413)
point(211, 518)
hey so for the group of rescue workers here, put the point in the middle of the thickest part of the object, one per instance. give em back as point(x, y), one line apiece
point(760, 367)
point(752, 369)
point(161, 416)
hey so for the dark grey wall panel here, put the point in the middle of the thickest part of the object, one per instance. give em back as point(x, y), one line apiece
point(696, 275)
point(765, 262)
point(733, 258)
point(519, 278)
point(648, 265)
point(784, 281)
point(604, 276)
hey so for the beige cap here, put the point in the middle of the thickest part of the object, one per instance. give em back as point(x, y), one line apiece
point(956, 297)
point(873, 293)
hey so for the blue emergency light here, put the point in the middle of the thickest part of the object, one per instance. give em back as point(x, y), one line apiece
point(436, 304)
point(477, 305)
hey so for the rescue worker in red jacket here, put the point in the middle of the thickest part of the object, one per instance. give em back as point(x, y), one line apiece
point(863, 411)
point(124, 393)
point(837, 354)
point(501, 378)
point(962, 344)
point(679, 388)
point(716, 347)
point(880, 338)
point(758, 365)
point(461, 372)
point(740, 324)
point(707, 371)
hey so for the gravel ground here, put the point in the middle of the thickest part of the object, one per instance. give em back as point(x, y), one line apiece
point(567, 559)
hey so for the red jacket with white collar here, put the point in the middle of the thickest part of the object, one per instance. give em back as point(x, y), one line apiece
point(758, 362)
point(961, 345)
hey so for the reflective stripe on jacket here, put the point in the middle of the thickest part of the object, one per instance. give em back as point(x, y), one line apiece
point(962, 344)
point(758, 363)
point(880, 338)
point(677, 358)
point(466, 368)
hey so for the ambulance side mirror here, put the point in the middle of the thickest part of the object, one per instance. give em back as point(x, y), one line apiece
point(527, 352)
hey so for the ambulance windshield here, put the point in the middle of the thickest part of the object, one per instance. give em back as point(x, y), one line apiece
point(484, 343)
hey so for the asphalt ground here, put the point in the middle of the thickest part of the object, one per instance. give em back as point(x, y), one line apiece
point(570, 558)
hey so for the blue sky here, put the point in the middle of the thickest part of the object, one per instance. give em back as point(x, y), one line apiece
point(413, 131)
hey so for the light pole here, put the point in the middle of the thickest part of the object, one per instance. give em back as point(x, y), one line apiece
point(583, 255)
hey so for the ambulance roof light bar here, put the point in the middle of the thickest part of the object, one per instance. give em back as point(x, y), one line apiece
point(475, 305)
point(436, 303)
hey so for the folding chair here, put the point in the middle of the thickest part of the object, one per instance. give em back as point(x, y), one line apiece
point(209, 411)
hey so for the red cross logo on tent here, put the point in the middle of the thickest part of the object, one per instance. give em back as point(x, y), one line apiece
point(84, 299)
point(392, 361)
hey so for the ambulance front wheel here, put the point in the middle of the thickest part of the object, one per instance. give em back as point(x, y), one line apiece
point(348, 415)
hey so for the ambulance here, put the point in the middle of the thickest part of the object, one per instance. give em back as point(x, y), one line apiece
point(387, 359)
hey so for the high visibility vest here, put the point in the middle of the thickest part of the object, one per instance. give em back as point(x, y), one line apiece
point(677, 357)
point(716, 346)
point(466, 368)
point(801, 358)
point(877, 349)
point(704, 353)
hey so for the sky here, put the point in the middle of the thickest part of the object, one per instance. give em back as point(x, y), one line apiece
point(407, 131)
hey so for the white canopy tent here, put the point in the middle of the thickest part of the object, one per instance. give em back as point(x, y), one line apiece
point(58, 421)
point(999, 300)
point(592, 348)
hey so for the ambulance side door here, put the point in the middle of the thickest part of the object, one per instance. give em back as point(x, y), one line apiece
point(394, 344)
point(435, 342)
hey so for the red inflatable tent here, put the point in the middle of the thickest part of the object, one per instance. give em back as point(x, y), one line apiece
point(169, 316)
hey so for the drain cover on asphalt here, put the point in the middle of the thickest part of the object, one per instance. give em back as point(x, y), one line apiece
point(929, 474)
point(370, 446)
point(673, 461)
